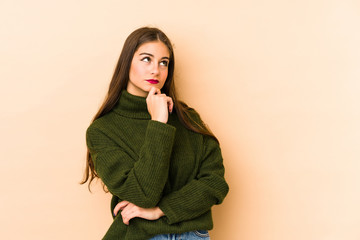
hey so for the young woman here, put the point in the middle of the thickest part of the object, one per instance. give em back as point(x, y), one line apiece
point(153, 153)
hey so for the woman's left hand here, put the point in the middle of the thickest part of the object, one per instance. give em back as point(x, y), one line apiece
point(130, 211)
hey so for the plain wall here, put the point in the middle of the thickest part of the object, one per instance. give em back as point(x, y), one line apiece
point(277, 82)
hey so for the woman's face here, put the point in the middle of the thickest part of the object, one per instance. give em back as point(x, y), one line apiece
point(149, 68)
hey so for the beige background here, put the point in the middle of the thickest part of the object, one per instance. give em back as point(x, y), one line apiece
point(277, 81)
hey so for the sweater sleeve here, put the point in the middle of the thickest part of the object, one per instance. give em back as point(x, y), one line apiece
point(139, 181)
point(200, 194)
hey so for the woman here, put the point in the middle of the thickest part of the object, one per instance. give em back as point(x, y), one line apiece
point(153, 153)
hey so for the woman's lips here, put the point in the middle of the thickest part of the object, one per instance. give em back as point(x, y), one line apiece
point(153, 81)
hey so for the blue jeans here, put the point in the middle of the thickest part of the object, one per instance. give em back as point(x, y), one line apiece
point(195, 235)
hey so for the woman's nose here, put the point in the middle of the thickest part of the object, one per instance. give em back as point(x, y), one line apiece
point(155, 69)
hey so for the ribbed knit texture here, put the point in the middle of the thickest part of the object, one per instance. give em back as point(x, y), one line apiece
point(150, 164)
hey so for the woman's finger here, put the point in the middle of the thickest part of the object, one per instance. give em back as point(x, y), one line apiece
point(154, 91)
point(170, 104)
point(131, 211)
point(120, 206)
point(127, 217)
point(127, 209)
point(133, 215)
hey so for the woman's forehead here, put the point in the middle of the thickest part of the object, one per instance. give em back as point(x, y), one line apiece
point(155, 48)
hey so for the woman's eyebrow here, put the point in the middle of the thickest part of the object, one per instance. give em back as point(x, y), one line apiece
point(144, 53)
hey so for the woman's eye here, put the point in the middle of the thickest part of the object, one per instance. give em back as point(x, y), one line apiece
point(164, 63)
point(146, 59)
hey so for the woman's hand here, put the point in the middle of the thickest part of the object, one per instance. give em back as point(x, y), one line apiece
point(159, 105)
point(130, 211)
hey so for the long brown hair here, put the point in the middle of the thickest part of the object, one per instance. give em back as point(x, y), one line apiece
point(120, 80)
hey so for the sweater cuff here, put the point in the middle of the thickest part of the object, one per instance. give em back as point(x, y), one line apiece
point(161, 132)
point(170, 215)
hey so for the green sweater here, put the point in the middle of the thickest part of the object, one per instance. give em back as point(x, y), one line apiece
point(150, 164)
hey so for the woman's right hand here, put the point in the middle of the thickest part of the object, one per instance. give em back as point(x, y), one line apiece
point(130, 211)
point(159, 105)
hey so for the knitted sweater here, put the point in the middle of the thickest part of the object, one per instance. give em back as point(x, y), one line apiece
point(149, 164)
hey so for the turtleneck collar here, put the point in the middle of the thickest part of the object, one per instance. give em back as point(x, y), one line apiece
point(132, 106)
